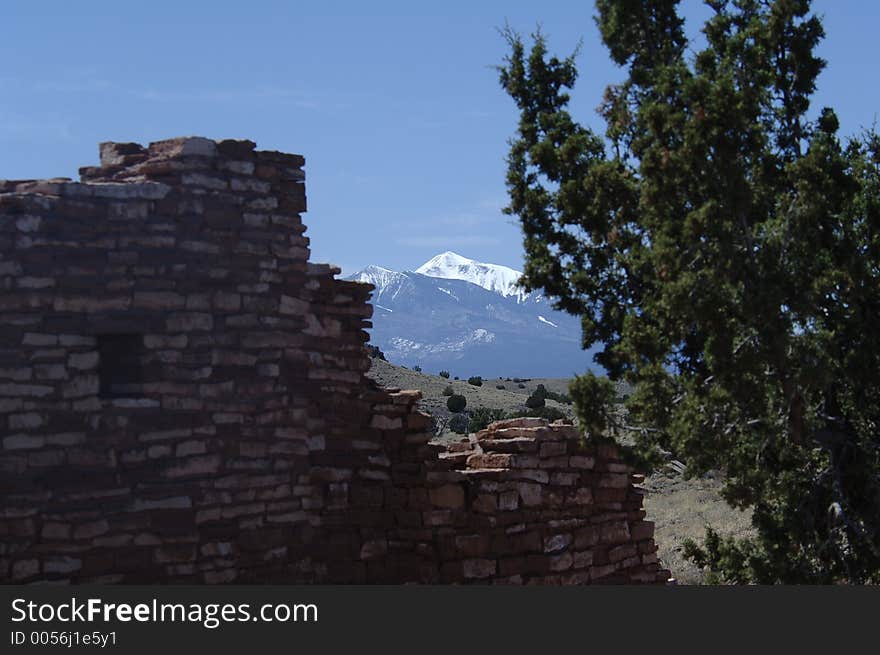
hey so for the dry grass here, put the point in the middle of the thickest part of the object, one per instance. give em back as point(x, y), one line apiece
point(682, 509)
point(510, 399)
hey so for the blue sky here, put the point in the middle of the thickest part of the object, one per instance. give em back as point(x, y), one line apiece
point(398, 112)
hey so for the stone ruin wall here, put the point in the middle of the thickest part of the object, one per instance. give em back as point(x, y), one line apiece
point(250, 446)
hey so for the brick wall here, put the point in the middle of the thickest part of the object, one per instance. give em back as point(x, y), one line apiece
point(182, 398)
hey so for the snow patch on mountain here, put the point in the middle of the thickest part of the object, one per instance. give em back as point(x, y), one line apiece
point(492, 277)
point(378, 276)
point(477, 336)
point(448, 292)
point(462, 315)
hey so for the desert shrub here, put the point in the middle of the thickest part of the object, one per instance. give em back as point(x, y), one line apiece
point(456, 377)
point(456, 403)
point(541, 390)
point(483, 416)
point(417, 369)
point(458, 424)
point(444, 374)
point(535, 401)
point(520, 385)
point(562, 398)
point(549, 413)
point(476, 381)
point(448, 390)
point(500, 386)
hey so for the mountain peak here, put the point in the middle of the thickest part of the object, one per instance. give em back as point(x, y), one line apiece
point(493, 277)
point(378, 276)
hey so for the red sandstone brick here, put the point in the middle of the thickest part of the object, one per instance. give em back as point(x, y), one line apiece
point(489, 461)
point(486, 503)
point(449, 495)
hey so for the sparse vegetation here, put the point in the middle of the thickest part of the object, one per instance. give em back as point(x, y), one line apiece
point(549, 413)
point(563, 398)
point(444, 374)
point(483, 416)
point(448, 390)
point(475, 381)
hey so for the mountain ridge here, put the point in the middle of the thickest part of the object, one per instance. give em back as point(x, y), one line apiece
point(492, 277)
point(470, 318)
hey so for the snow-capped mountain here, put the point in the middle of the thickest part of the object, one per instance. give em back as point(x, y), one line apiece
point(469, 318)
point(493, 277)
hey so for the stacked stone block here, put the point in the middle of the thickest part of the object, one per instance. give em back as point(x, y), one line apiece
point(183, 399)
point(522, 502)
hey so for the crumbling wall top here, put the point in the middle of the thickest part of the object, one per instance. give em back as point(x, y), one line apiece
point(173, 160)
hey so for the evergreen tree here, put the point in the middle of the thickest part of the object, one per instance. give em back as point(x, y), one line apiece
point(723, 243)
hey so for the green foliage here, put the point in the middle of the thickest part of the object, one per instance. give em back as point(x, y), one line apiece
point(562, 398)
point(444, 374)
point(476, 381)
point(549, 413)
point(723, 244)
point(593, 399)
point(417, 369)
point(535, 400)
point(448, 390)
point(483, 416)
point(456, 403)
point(458, 424)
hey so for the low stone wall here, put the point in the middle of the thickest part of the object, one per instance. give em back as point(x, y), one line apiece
point(183, 399)
point(522, 502)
